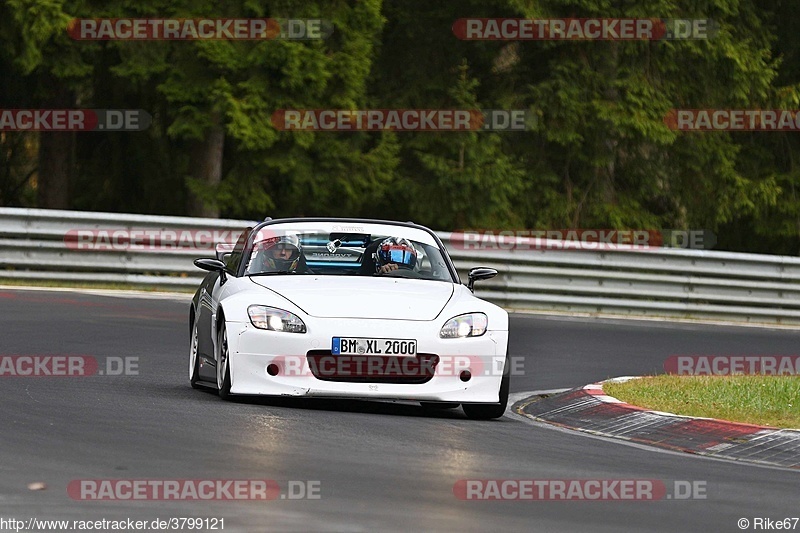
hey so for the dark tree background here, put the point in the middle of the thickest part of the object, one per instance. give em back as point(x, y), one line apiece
point(600, 155)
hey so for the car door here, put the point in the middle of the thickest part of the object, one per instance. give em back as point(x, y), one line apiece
point(210, 294)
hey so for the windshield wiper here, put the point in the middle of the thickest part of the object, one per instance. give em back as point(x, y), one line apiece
point(273, 273)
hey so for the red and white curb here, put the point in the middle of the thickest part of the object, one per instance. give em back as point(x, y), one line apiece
point(589, 409)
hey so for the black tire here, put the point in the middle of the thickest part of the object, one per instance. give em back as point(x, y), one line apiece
point(486, 411)
point(223, 362)
point(439, 405)
point(194, 367)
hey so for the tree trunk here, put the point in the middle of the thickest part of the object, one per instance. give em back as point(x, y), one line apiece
point(205, 167)
point(56, 154)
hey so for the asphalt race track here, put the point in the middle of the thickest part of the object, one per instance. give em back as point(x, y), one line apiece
point(380, 466)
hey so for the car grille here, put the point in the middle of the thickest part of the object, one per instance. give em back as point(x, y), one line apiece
point(410, 370)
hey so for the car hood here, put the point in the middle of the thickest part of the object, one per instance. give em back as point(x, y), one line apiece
point(362, 297)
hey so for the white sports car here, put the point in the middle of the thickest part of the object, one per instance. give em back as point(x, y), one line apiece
point(346, 308)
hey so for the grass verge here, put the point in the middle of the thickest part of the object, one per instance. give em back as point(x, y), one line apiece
point(763, 400)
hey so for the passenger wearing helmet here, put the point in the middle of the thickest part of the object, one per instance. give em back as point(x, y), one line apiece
point(395, 253)
point(279, 254)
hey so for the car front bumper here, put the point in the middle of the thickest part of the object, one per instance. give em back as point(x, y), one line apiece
point(253, 351)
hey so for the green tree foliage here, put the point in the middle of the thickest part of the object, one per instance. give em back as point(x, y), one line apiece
point(608, 152)
point(599, 154)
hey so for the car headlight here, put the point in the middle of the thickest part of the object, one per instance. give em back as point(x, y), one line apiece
point(469, 325)
point(274, 319)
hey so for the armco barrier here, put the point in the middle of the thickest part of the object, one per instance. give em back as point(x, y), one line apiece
point(34, 245)
point(657, 282)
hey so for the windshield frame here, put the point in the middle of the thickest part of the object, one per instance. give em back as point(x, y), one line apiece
point(248, 248)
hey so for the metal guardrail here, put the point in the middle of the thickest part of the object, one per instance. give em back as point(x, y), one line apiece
point(35, 245)
point(756, 288)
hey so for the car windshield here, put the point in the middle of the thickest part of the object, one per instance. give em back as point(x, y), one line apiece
point(347, 251)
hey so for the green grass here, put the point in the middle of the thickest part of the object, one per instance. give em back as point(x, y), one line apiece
point(763, 400)
point(89, 285)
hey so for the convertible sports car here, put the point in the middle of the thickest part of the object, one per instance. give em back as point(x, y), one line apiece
point(345, 308)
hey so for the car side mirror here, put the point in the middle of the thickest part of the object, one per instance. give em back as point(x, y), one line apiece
point(212, 265)
point(479, 273)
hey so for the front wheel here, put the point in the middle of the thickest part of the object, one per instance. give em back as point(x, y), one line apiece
point(223, 363)
point(194, 359)
point(486, 411)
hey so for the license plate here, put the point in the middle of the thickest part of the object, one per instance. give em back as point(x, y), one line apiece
point(369, 346)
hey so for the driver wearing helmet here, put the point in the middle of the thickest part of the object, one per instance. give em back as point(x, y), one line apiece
point(395, 253)
point(279, 254)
